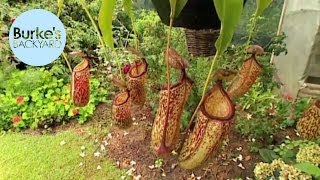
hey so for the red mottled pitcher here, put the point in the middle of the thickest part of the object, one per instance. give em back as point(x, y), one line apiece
point(80, 87)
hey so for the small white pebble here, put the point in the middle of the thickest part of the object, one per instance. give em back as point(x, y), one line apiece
point(247, 178)
point(83, 148)
point(63, 143)
point(135, 123)
point(174, 152)
point(163, 174)
point(199, 177)
point(109, 135)
point(240, 157)
point(118, 163)
point(144, 117)
point(123, 177)
point(45, 126)
point(137, 177)
point(253, 140)
point(130, 171)
point(81, 164)
point(97, 154)
point(99, 167)
point(102, 147)
point(83, 154)
point(132, 163)
point(125, 133)
point(151, 167)
point(96, 140)
point(239, 148)
point(133, 119)
point(241, 166)
point(192, 175)
point(173, 166)
point(288, 137)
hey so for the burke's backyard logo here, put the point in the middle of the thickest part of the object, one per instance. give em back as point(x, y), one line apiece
point(37, 37)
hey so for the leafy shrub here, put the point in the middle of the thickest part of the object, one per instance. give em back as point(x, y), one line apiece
point(35, 97)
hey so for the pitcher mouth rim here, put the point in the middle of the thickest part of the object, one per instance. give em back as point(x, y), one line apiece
point(115, 102)
point(82, 65)
point(230, 116)
point(143, 61)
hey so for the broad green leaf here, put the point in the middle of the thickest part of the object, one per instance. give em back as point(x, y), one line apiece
point(308, 168)
point(268, 155)
point(229, 12)
point(127, 5)
point(105, 21)
point(177, 6)
point(261, 6)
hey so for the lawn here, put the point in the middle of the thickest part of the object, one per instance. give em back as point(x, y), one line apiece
point(25, 156)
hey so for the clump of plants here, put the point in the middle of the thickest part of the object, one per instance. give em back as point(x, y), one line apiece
point(35, 97)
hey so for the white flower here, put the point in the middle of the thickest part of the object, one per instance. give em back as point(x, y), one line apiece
point(174, 152)
point(83, 154)
point(125, 133)
point(63, 143)
point(249, 116)
point(83, 148)
point(45, 126)
point(97, 154)
point(99, 167)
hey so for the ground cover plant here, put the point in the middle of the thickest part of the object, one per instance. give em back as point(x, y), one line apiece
point(261, 142)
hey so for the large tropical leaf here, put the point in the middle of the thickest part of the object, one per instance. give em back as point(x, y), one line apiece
point(309, 169)
point(127, 5)
point(261, 6)
point(105, 21)
point(177, 6)
point(229, 12)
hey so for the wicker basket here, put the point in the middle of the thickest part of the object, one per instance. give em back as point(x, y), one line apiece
point(201, 42)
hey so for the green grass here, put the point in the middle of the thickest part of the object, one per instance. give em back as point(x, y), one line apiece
point(42, 157)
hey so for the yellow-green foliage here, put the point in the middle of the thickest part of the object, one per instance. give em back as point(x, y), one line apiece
point(309, 154)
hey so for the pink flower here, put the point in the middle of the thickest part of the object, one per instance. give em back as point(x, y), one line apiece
point(126, 68)
point(16, 119)
point(19, 99)
point(12, 20)
point(75, 112)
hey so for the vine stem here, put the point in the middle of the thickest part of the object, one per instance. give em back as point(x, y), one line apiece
point(164, 137)
point(63, 53)
point(99, 34)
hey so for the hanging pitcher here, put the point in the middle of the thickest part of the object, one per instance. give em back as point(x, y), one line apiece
point(137, 78)
point(121, 109)
point(309, 124)
point(80, 86)
point(179, 94)
point(214, 120)
point(249, 73)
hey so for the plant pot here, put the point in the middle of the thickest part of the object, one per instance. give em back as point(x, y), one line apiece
point(179, 94)
point(309, 124)
point(80, 85)
point(195, 15)
point(137, 78)
point(201, 42)
point(214, 120)
point(249, 73)
point(121, 109)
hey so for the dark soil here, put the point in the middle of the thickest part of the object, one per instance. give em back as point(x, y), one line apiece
point(130, 149)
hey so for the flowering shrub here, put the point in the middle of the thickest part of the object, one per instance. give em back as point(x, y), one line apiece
point(36, 97)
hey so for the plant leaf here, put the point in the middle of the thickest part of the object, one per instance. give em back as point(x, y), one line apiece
point(105, 21)
point(261, 6)
point(127, 5)
point(177, 6)
point(268, 155)
point(308, 168)
point(229, 13)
